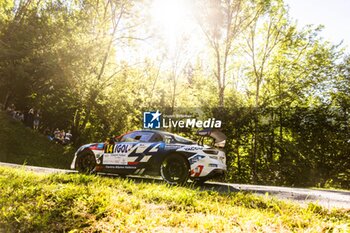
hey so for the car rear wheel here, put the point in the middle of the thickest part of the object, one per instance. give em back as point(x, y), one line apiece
point(86, 162)
point(175, 169)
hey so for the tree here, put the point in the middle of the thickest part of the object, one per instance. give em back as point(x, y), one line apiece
point(222, 21)
point(263, 36)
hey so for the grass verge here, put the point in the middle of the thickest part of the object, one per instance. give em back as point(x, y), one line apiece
point(31, 202)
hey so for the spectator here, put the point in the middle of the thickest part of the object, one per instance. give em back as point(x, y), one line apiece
point(16, 115)
point(48, 133)
point(21, 116)
point(62, 135)
point(36, 121)
point(56, 134)
point(30, 118)
point(11, 110)
point(68, 137)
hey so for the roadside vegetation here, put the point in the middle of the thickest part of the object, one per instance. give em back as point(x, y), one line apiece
point(79, 203)
point(21, 145)
point(93, 67)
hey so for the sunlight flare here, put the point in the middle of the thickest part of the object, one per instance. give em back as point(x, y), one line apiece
point(172, 18)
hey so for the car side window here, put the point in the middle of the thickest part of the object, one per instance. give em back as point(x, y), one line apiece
point(156, 138)
point(129, 138)
point(168, 139)
point(137, 137)
point(146, 136)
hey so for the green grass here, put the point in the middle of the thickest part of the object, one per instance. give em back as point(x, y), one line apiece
point(32, 202)
point(21, 145)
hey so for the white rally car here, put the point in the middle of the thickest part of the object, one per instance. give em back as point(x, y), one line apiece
point(152, 152)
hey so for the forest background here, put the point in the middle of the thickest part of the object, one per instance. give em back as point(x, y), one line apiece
point(94, 66)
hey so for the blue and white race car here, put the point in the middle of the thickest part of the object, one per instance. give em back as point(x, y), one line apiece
point(152, 152)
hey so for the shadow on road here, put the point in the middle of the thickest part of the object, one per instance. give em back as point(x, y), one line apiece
point(221, 188)
point(334, 191)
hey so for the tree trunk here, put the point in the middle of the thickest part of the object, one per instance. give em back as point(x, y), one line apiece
point(255, 149)
point(272, 139)
point(256, 131)
point(173, 95)
point(221, 96)
point(280, 113)
point(75, 126)
point(238, 158)
point(6, 101)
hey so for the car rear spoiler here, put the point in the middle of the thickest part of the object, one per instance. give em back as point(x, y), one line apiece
point(218, 136)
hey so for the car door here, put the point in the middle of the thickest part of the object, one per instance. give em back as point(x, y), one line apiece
point(130, 151)
point(117, 154)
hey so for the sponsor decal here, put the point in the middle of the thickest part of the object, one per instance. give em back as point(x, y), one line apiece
point(153, 120)
point(116, 154)
point(142, 147)
point(117, 149)
point(122, 148)
point(193, 148)
point(173, 147)
point(116, 159)
point(120, 167)
point(197, 171)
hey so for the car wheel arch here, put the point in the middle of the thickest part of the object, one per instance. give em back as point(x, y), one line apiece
point(82, 153)
point(177, 153)
point(184, 176)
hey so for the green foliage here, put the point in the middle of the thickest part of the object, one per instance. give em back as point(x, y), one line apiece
point(282, 92)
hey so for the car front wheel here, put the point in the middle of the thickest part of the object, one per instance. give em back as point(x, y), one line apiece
point(86, 162)
point(175, 169)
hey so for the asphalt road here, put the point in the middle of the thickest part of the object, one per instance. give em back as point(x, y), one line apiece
point(326, 198)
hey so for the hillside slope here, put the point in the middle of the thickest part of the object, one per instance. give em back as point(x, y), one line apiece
point(21, 145)
point(78, 203)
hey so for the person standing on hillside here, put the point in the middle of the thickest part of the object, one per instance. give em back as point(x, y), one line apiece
point(62, 136)
point(11, 110)
point(21, 117)
point(68, 137)
point(57, 134)
point(30, 118)
point(36, 121)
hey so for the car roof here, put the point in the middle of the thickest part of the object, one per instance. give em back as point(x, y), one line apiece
point(153, 131)
point(162, 134)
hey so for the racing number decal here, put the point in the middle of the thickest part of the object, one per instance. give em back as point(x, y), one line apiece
point(109, 148)
point(116, 154)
